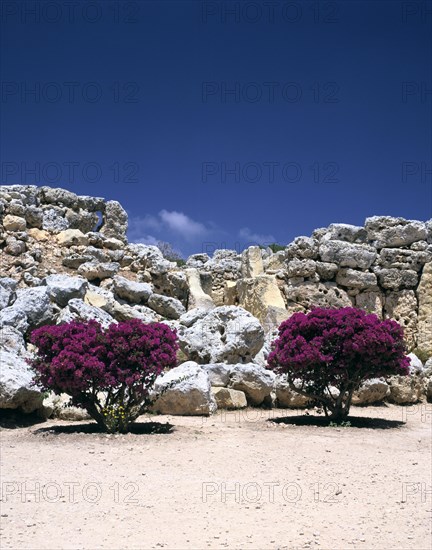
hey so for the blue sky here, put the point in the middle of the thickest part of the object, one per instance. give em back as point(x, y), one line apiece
point(222, 124)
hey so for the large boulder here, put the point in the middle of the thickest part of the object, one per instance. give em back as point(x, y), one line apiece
point(345, 254)
point(353, 278)
point(35, 304)
point(371, 391)
point(115, 221)
point(256, 382)
point(132, 291)
point(307, 295)
point(405, 389)
point(78, 310)
point(166, 306)
point(259, 294)
point(402, 307)
point(288, 398)
point(190, 396)
point(16, 389)
point(386, 231)
point(218, 373)
point(95, 270)
point(227, 398)
point(227, 334)
point(62, 288)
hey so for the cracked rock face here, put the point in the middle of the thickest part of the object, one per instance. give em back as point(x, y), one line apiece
point(227, 334)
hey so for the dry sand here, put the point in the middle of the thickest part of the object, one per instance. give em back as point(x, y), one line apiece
point(234, 480)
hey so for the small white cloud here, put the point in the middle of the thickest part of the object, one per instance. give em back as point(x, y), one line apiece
point(147, 239)
point(182, 224)
point(255, 238)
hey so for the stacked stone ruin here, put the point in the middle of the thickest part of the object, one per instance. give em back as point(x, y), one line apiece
point(65, 257)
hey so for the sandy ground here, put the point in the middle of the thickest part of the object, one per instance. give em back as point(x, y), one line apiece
point(235, 480)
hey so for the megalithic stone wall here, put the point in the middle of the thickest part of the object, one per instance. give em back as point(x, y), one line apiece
point(383, 267)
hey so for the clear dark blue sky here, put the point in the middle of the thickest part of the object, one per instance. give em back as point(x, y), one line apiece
point(222, 122)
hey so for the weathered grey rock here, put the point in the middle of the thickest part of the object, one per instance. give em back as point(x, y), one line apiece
point(301, 268)
point(190, 396)
point(73, 261)
point(81, 219)
point(35, 303)
point(371, 391)
point(78, 310)
point(275, 262)
point(227, 398)
point(62, 288)
point(166, 306)
point(105, 300)
point(424, 295)
point(16, 389)
point(57, 196)
point(226, 334)
point(288, 398)
point(386, 231)
point(53, 220)
point(257, 383)
point(371, 301)
point(404, 259)
point(252, 262)
point(394, 279)
point(302, 247)
point(344, 254)
point(197, 260)
point(218, 373)
point(192, 316)
point(346, 232)
point(115, 222)
point(132, 291)
point(326, 270)
point(7, 291)
point(34, 216)
point(353, 278)
point(93, 270)
point(14, 247)
point(13, 317)
point(11, 339)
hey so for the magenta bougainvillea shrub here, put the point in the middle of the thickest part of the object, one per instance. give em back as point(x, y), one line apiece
point(111, 372)
point(327, 353)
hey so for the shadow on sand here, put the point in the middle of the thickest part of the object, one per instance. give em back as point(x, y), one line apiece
point(138, 428)
point(11, 419)
point(354, 422)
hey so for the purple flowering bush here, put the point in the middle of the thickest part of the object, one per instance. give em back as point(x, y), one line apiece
point(327, 353)
point(111, 372)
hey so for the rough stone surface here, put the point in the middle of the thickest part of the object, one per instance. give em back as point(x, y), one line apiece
point(348, 254)
point(252, 262)
point(371, 391)
point(132, 291)
point(166, 306)
point(218, 373)
point(78, 310)
point(424, 326)
point(16, 390)
point(288, 398)
point(197, 297)
point(226, 334)
point(257, 383)
point(94, 270)
point(405, 389)
point(191, 396)
point(62, 288)
point(227, 398)
point(257, 295)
